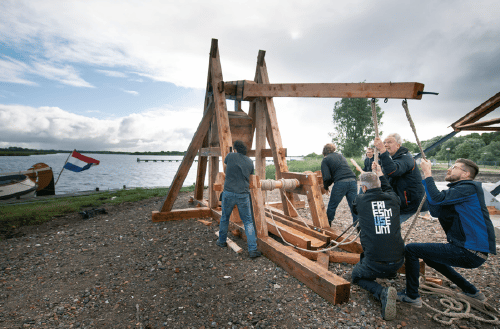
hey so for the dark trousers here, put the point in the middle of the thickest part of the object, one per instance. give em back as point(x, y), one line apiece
point(366, 271)
point(441, 257)
point(347, 188)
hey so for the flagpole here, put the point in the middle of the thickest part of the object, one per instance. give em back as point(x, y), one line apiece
point(63, 167)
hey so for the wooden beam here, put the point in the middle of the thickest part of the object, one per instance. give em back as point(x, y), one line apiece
point(479, 124)
point(478, 113)
point(215, 151)
point(180, 214)
point(331, 287)
point(480, 128)
point(323, 260)
point(290, 235)
point(398, 90)
point(258, 207)
point(231, 244)
point(187, 161)
point(354, 246)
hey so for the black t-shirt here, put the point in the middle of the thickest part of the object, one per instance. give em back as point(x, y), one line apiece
point(239, 167)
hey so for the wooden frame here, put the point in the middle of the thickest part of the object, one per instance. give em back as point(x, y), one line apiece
point(212, 141)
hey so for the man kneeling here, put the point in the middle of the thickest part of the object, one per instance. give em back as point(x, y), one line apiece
point(383, 248)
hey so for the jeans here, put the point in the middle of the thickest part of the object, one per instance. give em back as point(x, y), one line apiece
point(347, 188)
point(242, 200)
point(441, 257)
point(366, 271)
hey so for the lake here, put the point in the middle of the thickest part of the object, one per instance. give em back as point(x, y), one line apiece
point(113, 172)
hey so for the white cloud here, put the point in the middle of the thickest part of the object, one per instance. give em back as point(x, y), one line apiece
point(113, 74)
point(13, 71)
point(159, 129)
point(131, 92)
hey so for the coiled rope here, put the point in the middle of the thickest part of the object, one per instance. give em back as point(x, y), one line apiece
point(457, 306)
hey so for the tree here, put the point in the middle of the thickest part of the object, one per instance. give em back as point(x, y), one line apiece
point(353, 122)
point(470, 149)
point(491, 152)
point(412, 147)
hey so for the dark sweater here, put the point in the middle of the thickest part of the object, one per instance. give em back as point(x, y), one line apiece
point(334, 167)
point(239, 167)
point(378, 215)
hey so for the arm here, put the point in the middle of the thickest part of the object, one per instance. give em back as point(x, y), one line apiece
point(325, 172)
point(386, 187)
point(395, 168)
point(358, 168)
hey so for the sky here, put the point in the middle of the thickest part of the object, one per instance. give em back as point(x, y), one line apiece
point(131, 75)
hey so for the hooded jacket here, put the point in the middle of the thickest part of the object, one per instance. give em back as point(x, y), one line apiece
point(378, 215)
point(405, 178)
point(463, 214)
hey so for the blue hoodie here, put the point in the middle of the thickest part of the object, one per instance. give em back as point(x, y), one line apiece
point(462, 213)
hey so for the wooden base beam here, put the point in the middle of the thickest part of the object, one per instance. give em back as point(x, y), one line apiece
point(331, 287)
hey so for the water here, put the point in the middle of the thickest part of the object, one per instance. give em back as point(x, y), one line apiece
point(114, 171)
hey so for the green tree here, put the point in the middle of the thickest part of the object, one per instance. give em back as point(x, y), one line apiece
point(412, 147)
point(470, 149)
point(491, 152)
point(427, 143)
point(353, 122)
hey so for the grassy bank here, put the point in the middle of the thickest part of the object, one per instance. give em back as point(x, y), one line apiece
point(308, 164)
point(40, 211)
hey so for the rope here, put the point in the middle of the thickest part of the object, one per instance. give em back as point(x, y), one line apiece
point(454, 305)
point(415, 217)
point(336, 244)
point(375, 126)
point(286, 184)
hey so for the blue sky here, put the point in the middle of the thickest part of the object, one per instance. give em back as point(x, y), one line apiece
point(131, 75)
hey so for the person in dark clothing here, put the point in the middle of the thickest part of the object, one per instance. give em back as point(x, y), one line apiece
point(463, 215)
point(368, 160)
point(383, 248)
point(336, 171)
point(401, 169)
point(239, 167)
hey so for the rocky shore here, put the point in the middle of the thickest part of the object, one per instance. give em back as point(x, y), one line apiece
point(120, 270)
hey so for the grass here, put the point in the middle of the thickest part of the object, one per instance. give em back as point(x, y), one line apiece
point(308, 164)
point(40, 211)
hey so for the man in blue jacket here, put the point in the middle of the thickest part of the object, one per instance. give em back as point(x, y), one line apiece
point(336, 171)
point(400, 168)
point(463, 215)
point(383, 248)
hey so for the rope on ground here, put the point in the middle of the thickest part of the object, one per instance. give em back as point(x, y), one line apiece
point(454, 305)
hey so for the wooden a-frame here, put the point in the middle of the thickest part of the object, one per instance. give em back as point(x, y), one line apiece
point(212, 142)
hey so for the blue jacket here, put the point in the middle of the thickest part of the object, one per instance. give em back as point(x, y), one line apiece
point(462, 213)
point(405, 178)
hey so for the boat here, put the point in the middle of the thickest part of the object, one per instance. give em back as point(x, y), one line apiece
point(16, 186)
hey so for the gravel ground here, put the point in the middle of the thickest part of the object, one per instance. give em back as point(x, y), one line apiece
point(120, 270)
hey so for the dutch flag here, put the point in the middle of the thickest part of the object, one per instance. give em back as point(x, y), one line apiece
point(77, 162)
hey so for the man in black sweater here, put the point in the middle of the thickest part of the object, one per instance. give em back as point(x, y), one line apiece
point(403, 174)
point(383, 248)
point(334, 169)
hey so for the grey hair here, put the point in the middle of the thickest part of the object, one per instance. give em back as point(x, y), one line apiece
point(369, 179)
point(397, 137)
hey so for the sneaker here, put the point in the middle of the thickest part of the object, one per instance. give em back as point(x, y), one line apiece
point(254, 254)
point(388, 299)
point(478, 295)
point(221, 244)
point(417, 302)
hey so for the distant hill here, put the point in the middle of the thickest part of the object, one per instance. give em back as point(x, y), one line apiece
point(19, 151)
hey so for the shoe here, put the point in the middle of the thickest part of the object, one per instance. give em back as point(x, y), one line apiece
point(478, 295)
point(417, 302)
point(388, 299)
point(221, 244)
point(254, 254)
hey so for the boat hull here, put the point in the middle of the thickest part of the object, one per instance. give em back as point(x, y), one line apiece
point(16, 186)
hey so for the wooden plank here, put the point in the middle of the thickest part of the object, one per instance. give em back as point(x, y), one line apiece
point(402, 270)
point(354, 246)
point(205, 222)
point(291, 236)
point(398, 90)
point(323, 260)
point(481, 128)
point(479, 112)
point(200, 178)
point(258, 207)
point(231, 244)
point(343, 257)
point(260, 140)
point(434, 280)
point(331, 287)
point(180, 214)
point(479, 124)
point(187, 161)
point(215, 151)
point(213, 171)
point(302, 228)
point(278, 205)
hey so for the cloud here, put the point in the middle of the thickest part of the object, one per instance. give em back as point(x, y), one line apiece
point(131, 92)
point(158, 129)
point(113, 74)
point(13, 71)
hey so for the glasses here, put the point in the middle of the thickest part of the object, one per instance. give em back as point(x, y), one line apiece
point(458, 167)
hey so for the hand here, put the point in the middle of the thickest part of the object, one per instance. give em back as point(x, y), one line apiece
point(379, 144)
point(377, 169)
point(426, 167)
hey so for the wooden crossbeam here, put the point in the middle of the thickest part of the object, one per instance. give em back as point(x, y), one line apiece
point(398, 90)
point(326, 284)
point(478, 113)
point(479, 124)
point(265, 153)
point(180, 214)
